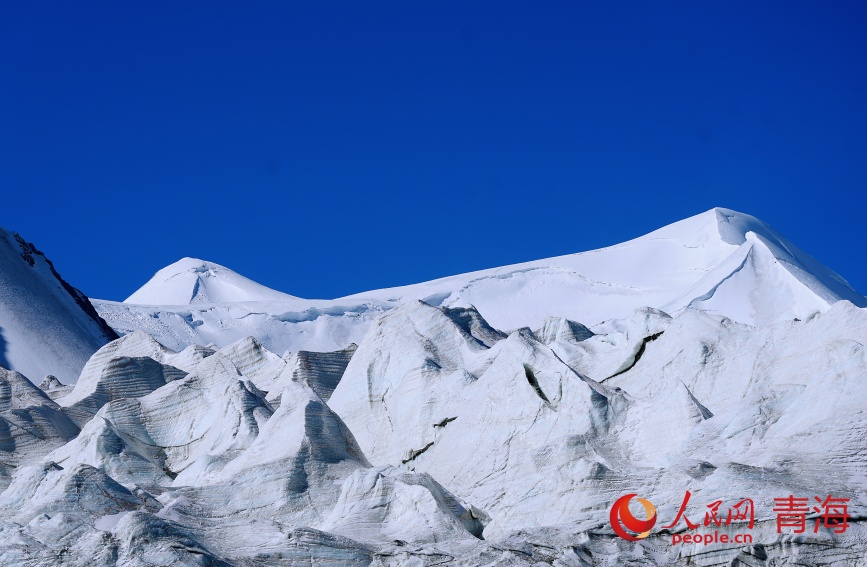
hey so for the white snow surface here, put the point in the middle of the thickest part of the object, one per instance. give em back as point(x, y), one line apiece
point(474, 421)
point(189, 281)
point(720, 261)
point(44, 328)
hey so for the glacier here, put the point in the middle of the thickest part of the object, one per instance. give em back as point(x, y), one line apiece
point(489, 418)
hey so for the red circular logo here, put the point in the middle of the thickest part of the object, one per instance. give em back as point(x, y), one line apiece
point(620, 514)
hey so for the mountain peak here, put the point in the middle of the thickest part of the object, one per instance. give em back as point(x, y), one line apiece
point(194, 281)
point(712, 227)
point(733, 226)
point(736, 259)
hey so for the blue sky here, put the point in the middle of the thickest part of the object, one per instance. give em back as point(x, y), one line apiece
point(328, 148)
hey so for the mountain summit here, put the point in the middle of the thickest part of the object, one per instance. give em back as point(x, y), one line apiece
point(721, 260)
point(192, 281)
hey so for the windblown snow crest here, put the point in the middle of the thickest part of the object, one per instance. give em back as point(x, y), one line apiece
point(407, 427)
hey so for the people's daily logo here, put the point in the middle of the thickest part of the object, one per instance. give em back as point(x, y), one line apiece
point(622, 518)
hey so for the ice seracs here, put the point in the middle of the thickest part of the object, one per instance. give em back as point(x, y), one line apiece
point(30, 423)
point(390, 505)
point(128, 367)
point(484, 419)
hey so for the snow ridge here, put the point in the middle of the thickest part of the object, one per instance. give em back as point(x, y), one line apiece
point(46, 325)
point(720, 261)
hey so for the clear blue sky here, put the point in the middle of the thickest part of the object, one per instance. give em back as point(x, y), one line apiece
point(327, 148)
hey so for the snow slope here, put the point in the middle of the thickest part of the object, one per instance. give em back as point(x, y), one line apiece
point(190, 281)
point(46, 325)
point(719, 261)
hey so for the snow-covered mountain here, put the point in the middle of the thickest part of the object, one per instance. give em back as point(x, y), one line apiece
point(190, 281)
point(720, 261)
point(46, 325)
point(490, 418)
